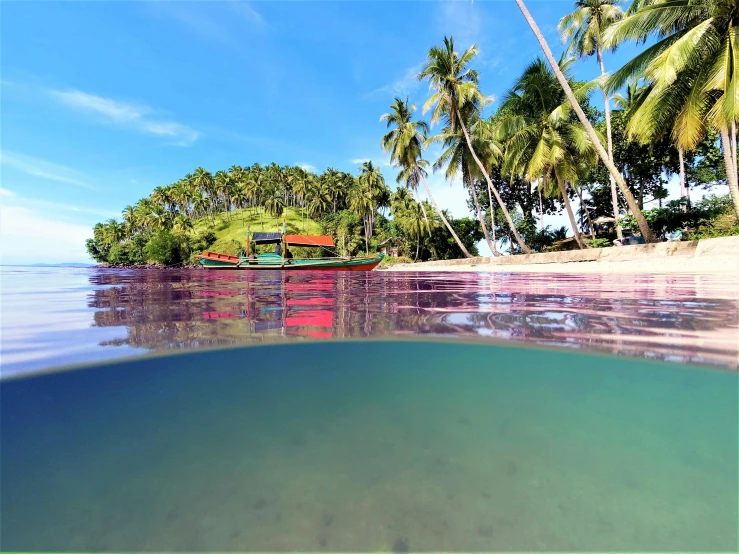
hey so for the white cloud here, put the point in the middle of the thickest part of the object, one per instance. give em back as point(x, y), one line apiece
point(460, 19)
point(6, 192)
point(402, 86)
point(30, 237)
point(44, 169)
point(134, 116)
point(308, 167)
point(359, 160)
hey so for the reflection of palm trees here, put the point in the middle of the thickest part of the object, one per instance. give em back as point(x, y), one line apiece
point(188, 309)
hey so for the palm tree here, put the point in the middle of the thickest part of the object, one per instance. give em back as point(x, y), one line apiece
point(602, 154)
point(240, 197)
point(182, 224)
point(455, 86)
point(458, 160)
point(405, 144)
point(542, 139)
point(583, 30)
point(691, 72)
point(361, 203)
point(203, 181)
point(413, 222)
point(371, 179)
point(274, 201)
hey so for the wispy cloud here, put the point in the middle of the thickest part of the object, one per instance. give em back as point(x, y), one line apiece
point(460, 19)
point(44, 169)
point(402, 86)
point(308, 167)
point(359, 160)
point(6, 192)
point(137, 117)
point(219, 22)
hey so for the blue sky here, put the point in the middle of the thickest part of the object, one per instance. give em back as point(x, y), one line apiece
point(103, 101)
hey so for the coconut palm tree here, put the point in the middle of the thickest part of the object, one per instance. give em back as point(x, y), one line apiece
point(182, 224)
point(543, 141)
point(455, 85)
point(361, 203)
point(602, 154)
point(371, 179)
point(691, 72)
point(203, 181)
point(405, 145)
point(458, 159)
point(319, 192)
point(582, 30)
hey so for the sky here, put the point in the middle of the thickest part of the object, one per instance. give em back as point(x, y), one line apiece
point(102, 101)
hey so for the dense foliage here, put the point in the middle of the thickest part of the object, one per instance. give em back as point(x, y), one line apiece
point(545, 150)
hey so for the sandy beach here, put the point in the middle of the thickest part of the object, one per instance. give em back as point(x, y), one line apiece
point(718, 256)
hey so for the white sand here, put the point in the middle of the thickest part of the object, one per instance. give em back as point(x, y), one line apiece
point(704, 265)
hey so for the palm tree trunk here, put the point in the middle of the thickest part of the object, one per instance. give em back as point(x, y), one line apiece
point(423, 209)
point(541, 206)
point(587, 212)
point(630, 201)
point(563, 191)
point(607, 103)
point(733, 150)
point(492, 223)
point(418, 244)
point(683, 184)
point(441, 214)
point(730, 174)
point(507, 215)
point(480, 218)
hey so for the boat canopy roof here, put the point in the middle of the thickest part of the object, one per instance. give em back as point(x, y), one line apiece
point(309, 240)
point(266, 238)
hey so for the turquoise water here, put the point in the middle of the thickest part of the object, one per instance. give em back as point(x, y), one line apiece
point(368, 446)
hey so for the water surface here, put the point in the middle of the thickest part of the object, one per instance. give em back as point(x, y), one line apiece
point(57, 316)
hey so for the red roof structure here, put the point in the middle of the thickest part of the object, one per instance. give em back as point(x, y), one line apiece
point(309, 240)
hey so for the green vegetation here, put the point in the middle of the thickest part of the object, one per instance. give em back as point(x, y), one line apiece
point(543, 147)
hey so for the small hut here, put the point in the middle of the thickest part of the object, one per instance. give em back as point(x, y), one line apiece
point(390, 246)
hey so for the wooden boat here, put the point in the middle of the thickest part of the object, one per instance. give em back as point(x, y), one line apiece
point(272, 261)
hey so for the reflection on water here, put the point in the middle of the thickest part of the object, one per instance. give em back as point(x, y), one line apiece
point(371, 446)
point(60, 316)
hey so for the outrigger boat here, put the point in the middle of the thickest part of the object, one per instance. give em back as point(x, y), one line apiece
point(272, 261)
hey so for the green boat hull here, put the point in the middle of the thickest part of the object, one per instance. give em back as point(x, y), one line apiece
point(211, 260)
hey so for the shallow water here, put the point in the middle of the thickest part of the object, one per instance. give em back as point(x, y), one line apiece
point(53, 316)
point(500, 431)
point(372, 446)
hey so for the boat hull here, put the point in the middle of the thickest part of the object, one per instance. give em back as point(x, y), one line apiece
point(214, 260)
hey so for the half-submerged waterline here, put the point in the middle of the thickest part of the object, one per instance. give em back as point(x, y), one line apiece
point(371, 446)
point(53, 317)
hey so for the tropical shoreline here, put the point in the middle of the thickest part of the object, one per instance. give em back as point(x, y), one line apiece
point(717, 256)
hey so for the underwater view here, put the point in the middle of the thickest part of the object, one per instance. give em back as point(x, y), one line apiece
point(507, 413)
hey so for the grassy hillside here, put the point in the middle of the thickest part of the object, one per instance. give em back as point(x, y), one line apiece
point(230, 228)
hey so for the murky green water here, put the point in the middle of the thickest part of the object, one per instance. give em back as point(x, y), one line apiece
point(371, 446)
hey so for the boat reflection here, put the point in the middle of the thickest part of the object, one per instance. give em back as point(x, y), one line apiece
point(675, 318)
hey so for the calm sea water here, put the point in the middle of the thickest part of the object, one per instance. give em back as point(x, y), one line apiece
point(510, 427)
point(52, 317)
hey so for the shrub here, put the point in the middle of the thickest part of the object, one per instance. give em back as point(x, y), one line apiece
point(164, 248)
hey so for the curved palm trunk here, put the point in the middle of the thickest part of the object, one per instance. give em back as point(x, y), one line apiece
point(494, 248)
point(441, 214)
point(607, 103)
point(630, 201)
point(418, 245)
point(507, 215)
point(563, 191)
point(730, 175)
point(481, 219)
